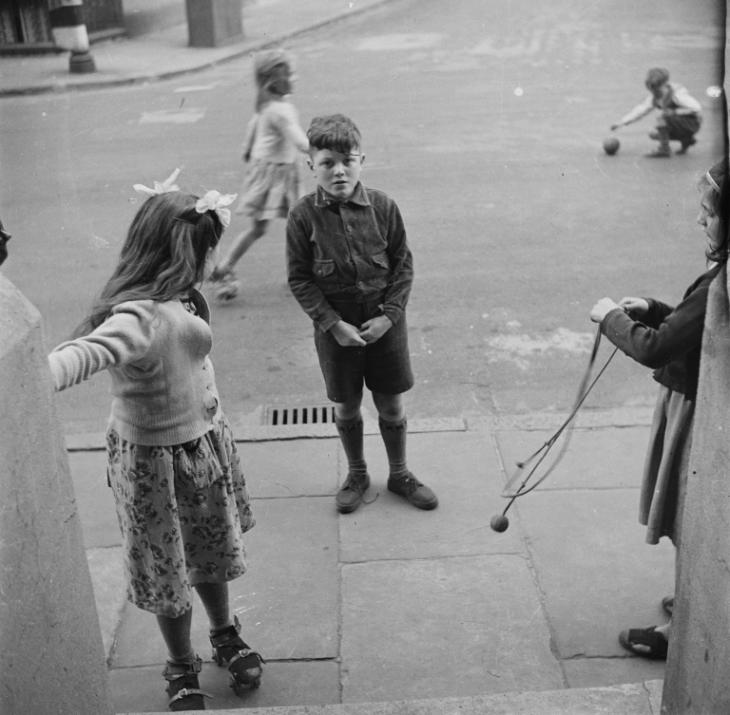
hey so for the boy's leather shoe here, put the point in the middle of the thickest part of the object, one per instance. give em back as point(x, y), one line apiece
point(418, 494)
point(349, 497)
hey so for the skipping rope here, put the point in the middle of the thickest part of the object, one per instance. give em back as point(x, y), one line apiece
point(500, 522)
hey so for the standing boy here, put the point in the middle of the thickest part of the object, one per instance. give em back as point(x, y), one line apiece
point(680, 114)
point(351, 270)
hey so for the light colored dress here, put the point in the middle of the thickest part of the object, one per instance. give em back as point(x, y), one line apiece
point(273, 140)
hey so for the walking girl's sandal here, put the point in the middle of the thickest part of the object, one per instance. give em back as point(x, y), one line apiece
point(244, 664)
point(645, 642)
point(183, 686)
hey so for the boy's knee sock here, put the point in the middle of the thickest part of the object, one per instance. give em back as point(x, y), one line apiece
point(351, 436)
point(394, 437)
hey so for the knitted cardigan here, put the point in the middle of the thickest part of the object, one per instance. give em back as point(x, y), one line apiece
point(163, 384)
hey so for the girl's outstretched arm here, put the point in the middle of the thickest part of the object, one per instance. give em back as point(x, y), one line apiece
point(125, 336)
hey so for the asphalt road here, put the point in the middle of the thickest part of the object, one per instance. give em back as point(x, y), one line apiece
point(482, 118)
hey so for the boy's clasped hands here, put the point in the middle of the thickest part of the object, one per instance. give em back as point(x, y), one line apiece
point(348, 335)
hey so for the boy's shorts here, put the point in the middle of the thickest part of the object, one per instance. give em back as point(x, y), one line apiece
point(383, 366)
point(683, 126)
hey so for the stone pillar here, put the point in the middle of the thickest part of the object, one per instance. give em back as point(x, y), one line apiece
point(212, 23)
point(51, 653)
point(69, 33)
point(697, 669)
point(698, 663)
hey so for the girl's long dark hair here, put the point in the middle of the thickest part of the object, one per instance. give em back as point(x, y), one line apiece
point(163, 256)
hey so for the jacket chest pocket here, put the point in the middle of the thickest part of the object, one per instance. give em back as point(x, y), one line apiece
point(324, 271)
point(381, 261)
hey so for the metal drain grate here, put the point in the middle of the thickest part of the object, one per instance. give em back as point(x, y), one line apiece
point(286, 416)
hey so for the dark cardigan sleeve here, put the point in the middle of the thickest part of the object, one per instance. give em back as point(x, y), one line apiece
point(678, 333)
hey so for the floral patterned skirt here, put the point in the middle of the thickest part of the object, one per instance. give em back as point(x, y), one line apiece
point(182, 511)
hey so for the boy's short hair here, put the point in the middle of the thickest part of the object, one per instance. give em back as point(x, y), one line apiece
point(335, 132)
point(656, 77)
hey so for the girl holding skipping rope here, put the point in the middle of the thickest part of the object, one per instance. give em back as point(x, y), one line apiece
point(669, 340)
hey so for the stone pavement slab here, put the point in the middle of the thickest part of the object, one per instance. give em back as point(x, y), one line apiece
point(589, 462)
point(109, 584)
point(624, 699)
point(395, 604)
point(291, 468)
point(288, 602)
point(94, 498)
point(597, 672)
point(142, 690)
point(597, 574)
point(440, 627)
point(463, 469)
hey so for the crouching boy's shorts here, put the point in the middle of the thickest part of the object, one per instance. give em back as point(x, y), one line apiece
point(383, 366)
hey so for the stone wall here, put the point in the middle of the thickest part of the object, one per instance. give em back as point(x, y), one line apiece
point(51, 655)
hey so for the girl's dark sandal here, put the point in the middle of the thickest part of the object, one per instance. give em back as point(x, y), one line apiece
point(183, 687)
point(244, 664)
point(645, 642)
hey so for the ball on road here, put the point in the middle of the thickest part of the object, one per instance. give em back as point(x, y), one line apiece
point(499, 522)
point(611, 145)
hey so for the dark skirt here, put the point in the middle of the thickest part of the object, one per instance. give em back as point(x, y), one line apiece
point(665, 469)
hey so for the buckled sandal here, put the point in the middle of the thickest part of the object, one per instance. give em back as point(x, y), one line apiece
point(244, 663)
point(645, 642)
point(183, 687)
point(225, 285)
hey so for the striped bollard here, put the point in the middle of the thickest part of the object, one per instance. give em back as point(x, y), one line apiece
point(69, 33)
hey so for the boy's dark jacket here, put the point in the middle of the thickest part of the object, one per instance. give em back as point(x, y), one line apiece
point(353, 250)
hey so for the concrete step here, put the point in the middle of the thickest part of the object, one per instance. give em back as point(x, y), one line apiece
point(627, 699)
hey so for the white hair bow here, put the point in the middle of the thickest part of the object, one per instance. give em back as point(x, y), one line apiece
point(164, 187)
point(215, 201)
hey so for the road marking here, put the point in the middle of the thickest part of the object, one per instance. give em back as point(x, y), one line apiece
point(518, 348)
point(173, 116)
point(400, 41)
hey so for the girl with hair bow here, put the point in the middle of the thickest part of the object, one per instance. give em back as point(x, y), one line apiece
point(180, 495)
